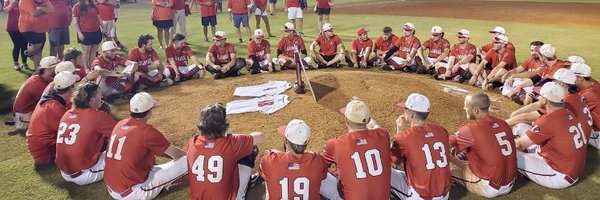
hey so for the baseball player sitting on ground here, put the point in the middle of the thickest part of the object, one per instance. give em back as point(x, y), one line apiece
point(422, 152)
point(559, 143)
point(590, 91)
point(329, 45)
point(178, 54)
point(361, 54)
point(498, 30)
point(287, 45)
point(130, 172)
point(529, 67)
point(82, 133)
point(502, 60)
point(436, 61)
point(407, 46)
point(221, 58)
point(368, 165)
point(384, 42)
point(485, 162)
point(64, 66)
point(220, 163)
point(259, 54)
point(41, 135)
point(145, 55)
point(461, 58)
point(111, 81)
point(293, 173)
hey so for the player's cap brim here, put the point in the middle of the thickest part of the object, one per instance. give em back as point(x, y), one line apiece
point(343, 110)
point(281, 130)
point(401, 104)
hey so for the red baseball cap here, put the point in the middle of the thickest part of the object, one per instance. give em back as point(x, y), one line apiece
point(361, 30)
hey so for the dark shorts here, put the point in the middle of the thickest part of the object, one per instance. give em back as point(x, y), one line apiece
point(34, 38)
point(209, 20)
point(328, 58)
point(162, 23)
point(240, 19)
point(323, 11)
point(273, 1)
point(90, 38)
point(59, 36)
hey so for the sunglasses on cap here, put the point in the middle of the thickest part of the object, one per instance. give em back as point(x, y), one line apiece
point(219, 39)
point(461, 37)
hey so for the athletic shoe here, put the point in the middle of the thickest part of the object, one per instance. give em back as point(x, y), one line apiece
point(196, 76)
point(351, 64)
point(17, 131)
point(206, 39)
point(219, 76)
point(16, 66)
point(271, 35)
point(459, 79)
point(241, 41)
point(24, 66)
point(335, 65)
point(301, 34)
point(321, 65)
point(386, 67)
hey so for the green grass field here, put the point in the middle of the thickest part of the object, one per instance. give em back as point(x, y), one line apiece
point(20, 181)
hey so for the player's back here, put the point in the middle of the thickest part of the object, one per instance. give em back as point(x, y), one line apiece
point(574, 102)
point(289, 176)
point(363, 160)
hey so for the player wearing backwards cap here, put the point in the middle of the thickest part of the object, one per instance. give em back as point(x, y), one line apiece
point(220, 163)
point(287, 45)
point(259, 54)
point(383, 43)
point(111, 81)
point(590, 92)
point(41, 135)
point(221, 58)
point(462, 57)
point(423, 151)
point(329, 44)
point(407, 47)
point(145, 55)
point(575, 59)
point(81, 135)
point(502, 60)
point(293, 173)
point(177, 55)
point(361, 156)
point(439, 48)
point(529, 67)
point(498, 30)
point(487, 146)
point(361, 53)
point(30, 92)
point(130, 172)
point(559, 140)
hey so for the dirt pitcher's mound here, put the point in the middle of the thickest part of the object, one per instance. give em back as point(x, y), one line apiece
point(177, 114)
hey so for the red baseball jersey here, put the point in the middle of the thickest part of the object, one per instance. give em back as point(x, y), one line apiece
point(60, 17)
point(292, 176)
point(259, 50)
point(110, 65)
point(160, 13)
point(488, 46)
point(12, 20)
point(178, 4)
point(489, 145)
point(180, 56)
point(144, 60)
point(532, 63)
point(506, 56)
point(81, 134)
point(323, 4)
point(382, 46)
point(405, 44)
point(131, 153)
point(44, 122)
point(212, 165)
point(361, 46)
point(261, 4)
point(238, 7)
point(460, 53)
point(591, 96)
point(436, 48)
point(287, 45)
point(222, 54)
point(29, 94)
point(328, 45)
point(32, 23)
point(88, 22)
point(574, 102)
point(548, 71)
point(49, 87)
point(424, 152)
point(292, 3)
point(562, 141)
point(362, 158)
point(106, 11)
point(208, 10)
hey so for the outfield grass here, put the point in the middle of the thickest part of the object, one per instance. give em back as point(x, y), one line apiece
point(20, 181)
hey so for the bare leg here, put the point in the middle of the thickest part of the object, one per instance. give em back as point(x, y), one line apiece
point(205, 31)
point(86, 51)
point(326, 17)
point(257, 21)
point(300, 24)
point(213, 30)
point(248, 32)
point(167, 35)
point(320, 23)
point(239, 33)
point(36, 49)
point(159, 35)
point(267, 25)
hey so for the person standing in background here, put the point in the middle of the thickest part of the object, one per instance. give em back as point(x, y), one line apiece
point(33, 24)
point(261, 12)
point(162, 19)
point(178, 17)
point(209, 17)
point(87, 26)
point(59, 22)
point(19, 43)
point(323, 8)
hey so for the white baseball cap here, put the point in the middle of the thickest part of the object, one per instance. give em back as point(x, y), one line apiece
point(109, 45)
point(547, 50)
point(141, 102)
point(581, 69)
point(258, 33)
point(67, 66)
point(220, 35)
point(576, 59)
point(296, 131)
point(498, 29)
point(564, 75)
point(416, 102)
point(49, 62)
point(409, 26)
point(436, 30)
point(327, 27)
point(357, 111)
point(501, 38)
point(464, 33)
point(553, 92)
point(288, 26)
point(64, 80)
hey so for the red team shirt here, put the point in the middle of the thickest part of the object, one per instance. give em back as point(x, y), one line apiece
point(140, 144)
point(144, 60)
point(460, 53)
point(12, 21)
point(30, 23)
point(361, 46)
point(574, 102)
point(507, 56)
point(88, 22)
point(110, 65)
point(208, 10)
point(221, 54)
point(411, 146)
point(382, 46)
point(532, 63)
point(489, 145)
point(287, 45)
point(107, 11)
point(591, 96)
point(261, 4)
point(60, 17)
point(225, 152)
point(562, 150)
point(328, 46)
point(180, 56)
point(78, 146)
point(29, 94)
point(548, 71)
point(238, 7)
point(323, 4)
point(41, 135)
point(160, 13)
point(436, 48)
point(178, 4)
point(405, 44)
point(304, 172)
point(352, 149)
point(488, 46)
point(292, 3)
point(259, 50)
